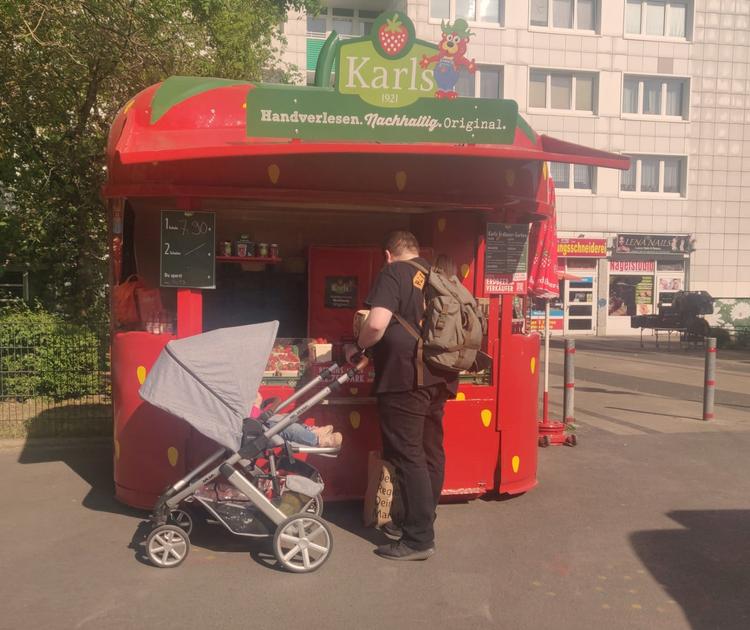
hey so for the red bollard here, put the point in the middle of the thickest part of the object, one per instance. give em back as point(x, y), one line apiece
point(709, 384)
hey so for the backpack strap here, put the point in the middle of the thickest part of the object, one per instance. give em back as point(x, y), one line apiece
point(416, 265)
point(420, 347)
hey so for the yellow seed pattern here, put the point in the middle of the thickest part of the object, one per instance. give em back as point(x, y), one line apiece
point(273, 173)
point(140, 373)
point(355, 419)
point(465, 270)
point(401, 180)
point(441, 225)
point(460, 396)
point(533, 365)
point(486, 417)
point(173, 455)
point(515, 463)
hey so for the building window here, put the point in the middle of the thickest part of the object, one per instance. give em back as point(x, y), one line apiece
point(346, 22)
point(555, 90)
point(572, 176)
point(476, 11)
point(580, 15)
point(655, 96)
point(652, 174)
point(657, 18)
point(486, 82)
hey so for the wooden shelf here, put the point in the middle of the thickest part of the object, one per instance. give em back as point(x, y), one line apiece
point(245, 259)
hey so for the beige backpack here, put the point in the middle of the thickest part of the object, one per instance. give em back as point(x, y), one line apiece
point(453, 325)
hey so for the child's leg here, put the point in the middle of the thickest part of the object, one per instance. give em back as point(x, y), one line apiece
point(300, 434)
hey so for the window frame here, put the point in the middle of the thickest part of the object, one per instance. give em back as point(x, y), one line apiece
point(571, 111)
point(689, 22)
point(479, 24)
point(662, 116)
point(550, 27)
point(478, 84)
point(327, 14)
point(682, 194)
point(571, 190)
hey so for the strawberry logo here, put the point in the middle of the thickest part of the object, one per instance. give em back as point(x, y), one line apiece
point(393, 36)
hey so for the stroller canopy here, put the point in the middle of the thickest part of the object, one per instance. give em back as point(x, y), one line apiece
point(211, 380)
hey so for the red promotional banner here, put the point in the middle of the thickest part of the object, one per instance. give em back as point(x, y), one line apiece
point(582, 247)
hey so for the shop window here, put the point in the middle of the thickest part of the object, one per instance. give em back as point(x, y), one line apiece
point(657, 175)
point(572, 177)
point(563, 91)
point(655, 96)
point(658, 18)
point(347, 23)
point(486, 82)
point(631, 295)
point(483, 12)
point(581, 15)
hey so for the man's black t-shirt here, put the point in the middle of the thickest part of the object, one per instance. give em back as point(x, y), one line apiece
point(399, 288)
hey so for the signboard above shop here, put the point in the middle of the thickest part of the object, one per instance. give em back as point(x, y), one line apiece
point(582, 247)
point(388, 86)
point(675, 244)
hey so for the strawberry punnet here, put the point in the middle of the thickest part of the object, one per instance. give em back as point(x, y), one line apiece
point(393, 36)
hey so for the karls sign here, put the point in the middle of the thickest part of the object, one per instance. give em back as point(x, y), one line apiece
point(387, 87)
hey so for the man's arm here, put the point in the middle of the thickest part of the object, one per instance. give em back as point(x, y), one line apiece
point(374, 327)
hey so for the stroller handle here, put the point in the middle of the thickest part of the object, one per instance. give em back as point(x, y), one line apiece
point(362, 363)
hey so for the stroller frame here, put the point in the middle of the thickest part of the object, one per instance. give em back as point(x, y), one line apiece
point(295, 536)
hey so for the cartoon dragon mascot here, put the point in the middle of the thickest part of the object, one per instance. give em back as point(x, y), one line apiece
point(450, 57)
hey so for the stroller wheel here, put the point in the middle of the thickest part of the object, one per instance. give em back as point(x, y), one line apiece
point(302, 543)
point(315, 506)
point(182, 519)
point(167, 546)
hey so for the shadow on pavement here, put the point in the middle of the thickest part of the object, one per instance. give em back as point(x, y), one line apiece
point(91, 460)
point(704, 567)
point(348, 515)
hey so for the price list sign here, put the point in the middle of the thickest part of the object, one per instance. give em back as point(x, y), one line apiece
point(187, 250)
point(506, 258)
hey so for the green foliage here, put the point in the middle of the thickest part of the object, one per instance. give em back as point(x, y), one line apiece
point(41, 355)
point(67, 66)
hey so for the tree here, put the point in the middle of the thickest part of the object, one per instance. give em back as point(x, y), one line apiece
point(66, 67)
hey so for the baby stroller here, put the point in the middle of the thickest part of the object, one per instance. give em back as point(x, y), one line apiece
point(211, 381)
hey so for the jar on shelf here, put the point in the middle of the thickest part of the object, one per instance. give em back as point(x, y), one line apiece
point(263, 250)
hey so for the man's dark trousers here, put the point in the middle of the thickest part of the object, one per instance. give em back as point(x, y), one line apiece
point(412, 430)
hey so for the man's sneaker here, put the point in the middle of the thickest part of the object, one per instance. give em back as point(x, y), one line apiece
point(400, 551)
point(322, 431)
point(392, 531)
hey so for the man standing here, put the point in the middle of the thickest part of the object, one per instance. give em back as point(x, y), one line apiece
point(411, 394)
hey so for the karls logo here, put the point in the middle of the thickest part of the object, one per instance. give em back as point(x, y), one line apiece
point(392, 68)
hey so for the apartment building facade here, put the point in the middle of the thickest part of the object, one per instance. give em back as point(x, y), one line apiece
point(665, 81)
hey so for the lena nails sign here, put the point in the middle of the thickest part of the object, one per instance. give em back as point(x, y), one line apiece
point(388, 87)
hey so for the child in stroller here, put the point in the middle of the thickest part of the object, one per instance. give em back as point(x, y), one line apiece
point(301, 433)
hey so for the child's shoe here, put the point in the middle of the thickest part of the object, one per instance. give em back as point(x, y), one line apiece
point(334, 440)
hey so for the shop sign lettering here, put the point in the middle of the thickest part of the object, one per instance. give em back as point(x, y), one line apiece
point(632, 265)
point(389, 87)
point(582, 247)
point(651, 243)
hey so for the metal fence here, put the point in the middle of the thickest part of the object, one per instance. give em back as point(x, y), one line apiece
point(55, 383)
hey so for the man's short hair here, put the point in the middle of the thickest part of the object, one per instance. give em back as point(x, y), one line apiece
point(401, 241)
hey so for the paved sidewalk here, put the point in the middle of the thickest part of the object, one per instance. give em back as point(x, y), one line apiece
point(646, 524)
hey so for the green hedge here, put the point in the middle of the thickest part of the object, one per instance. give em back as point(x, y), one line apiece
point(42, 355)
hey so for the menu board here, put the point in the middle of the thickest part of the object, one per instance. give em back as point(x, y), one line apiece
point(506, 258)
point(341, 292)
point(187, 257)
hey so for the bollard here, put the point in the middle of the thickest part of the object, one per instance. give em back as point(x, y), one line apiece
point(570, 381)
point(709, 386)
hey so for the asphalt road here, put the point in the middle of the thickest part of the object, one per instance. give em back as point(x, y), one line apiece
point(646, 524)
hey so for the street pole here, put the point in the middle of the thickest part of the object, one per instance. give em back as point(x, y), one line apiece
point(545, 395)
point(709, 385)
point(570, 381)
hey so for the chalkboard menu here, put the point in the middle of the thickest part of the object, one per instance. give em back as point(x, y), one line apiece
point(506, 258)
point(187, 249)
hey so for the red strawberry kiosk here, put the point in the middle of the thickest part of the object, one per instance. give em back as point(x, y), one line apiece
point(232, 202)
